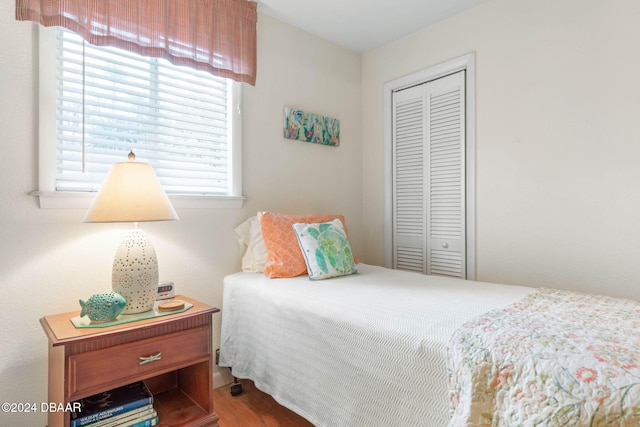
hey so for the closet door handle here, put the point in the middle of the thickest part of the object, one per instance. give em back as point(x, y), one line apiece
point(445, 245)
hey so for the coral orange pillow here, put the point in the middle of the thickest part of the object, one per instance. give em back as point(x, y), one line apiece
point(285, 258)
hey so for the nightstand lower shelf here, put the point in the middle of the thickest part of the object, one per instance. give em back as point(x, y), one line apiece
point(175, 408)
point(176, 394)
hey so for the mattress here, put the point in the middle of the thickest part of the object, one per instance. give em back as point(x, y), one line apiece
point(362, 350)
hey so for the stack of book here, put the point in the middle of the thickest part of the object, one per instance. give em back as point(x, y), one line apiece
point(127, 406)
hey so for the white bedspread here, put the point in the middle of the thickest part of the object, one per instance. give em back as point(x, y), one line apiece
point(362, 350)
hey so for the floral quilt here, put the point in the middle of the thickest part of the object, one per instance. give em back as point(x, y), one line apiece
point(555, 358)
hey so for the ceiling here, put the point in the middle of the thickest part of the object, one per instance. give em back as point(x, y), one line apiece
point(362, 25)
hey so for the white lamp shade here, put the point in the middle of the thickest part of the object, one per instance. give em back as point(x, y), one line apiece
point(131, 193)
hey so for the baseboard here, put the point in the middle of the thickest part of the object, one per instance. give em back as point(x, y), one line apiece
point(221, 376)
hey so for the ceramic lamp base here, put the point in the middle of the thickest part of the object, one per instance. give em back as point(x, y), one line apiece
point(135, 272)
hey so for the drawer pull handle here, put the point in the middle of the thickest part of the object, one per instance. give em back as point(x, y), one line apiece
point(148, 359)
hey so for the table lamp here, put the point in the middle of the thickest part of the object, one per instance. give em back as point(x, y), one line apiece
point(131, 192)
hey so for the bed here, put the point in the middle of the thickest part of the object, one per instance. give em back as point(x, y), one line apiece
point(392, 348)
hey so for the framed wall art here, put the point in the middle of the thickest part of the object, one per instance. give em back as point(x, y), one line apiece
point(310, 127)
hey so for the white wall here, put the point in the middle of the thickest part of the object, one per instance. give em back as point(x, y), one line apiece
point(49, 259)
point(558, 100)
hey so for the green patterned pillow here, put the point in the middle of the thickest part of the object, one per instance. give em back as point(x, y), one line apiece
point(326, 249)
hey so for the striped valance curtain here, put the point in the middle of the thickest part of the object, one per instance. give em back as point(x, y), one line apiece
point(218, 36)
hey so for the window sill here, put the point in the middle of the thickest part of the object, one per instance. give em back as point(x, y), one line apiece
point(73, 200)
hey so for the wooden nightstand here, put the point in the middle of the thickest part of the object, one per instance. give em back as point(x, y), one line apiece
point(86, 361)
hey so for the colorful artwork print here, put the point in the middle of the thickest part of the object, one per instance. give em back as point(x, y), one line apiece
point(311, 127)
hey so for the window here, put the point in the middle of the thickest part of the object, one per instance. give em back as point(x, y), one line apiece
point(106, 102)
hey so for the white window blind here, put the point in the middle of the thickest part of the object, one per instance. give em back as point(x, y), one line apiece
point(110, 101)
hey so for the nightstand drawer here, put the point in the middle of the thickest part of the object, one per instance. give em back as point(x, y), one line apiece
point(93, 370)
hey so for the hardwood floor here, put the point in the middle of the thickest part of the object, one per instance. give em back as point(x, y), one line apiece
point(253, 408)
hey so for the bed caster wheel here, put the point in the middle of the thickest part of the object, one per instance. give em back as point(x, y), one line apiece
point(236, 389)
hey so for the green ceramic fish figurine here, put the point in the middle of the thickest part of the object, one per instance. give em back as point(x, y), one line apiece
point(103, 307)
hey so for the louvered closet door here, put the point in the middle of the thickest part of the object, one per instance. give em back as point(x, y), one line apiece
point(429, 177)
point(409, 202)
point(446, 171)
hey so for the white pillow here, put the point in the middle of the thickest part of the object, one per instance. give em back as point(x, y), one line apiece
point(249, 234)
point(326, 249)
